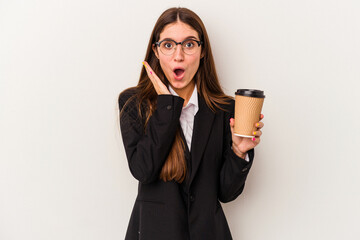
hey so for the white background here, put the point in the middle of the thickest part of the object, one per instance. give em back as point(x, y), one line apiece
point(63, 171)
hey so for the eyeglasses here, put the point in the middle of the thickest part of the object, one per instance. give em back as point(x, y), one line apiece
point(189, 46)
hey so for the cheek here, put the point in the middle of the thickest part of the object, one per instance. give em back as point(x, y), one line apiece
point(195, 64)
point(164, 63)
point(165, 68)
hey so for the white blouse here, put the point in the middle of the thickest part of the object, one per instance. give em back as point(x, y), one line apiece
point(188, 115)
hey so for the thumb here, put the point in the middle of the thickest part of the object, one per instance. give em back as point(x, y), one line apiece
point(232, 122)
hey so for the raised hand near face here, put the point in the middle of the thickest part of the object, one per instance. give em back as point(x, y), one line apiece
point(159, 86)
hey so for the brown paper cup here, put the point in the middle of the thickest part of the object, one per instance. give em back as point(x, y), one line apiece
point(248, 105)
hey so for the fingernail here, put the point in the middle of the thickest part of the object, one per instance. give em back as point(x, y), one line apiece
point(258, 124)
point(262, 115)
point(150, 72)
point(144, 64)
point(254, 133)
point(253, 139)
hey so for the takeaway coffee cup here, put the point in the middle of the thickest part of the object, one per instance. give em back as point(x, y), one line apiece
point(248, 105)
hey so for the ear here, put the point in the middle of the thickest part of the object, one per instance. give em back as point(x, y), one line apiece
point(154, 48)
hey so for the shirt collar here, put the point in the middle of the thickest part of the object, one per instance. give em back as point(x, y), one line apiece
point(193, 99)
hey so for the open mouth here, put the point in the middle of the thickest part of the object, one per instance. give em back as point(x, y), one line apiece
point(179, 73)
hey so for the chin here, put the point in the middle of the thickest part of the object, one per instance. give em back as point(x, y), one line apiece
point(178, 85)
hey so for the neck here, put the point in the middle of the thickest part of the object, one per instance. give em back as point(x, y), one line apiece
point(186, 92)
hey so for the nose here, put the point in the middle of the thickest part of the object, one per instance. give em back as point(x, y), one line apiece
point(178, 54)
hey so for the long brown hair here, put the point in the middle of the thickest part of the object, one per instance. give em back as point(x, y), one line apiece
point(205, 79)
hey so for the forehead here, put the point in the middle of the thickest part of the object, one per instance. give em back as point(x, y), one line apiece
point(178, 31)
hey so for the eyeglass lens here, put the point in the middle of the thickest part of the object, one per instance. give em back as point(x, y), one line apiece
point(189, 46)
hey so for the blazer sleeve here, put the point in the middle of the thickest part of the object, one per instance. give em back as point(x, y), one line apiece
point(147, 149)
point(234, 169)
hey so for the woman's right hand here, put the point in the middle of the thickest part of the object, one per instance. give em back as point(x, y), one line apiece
point(159, 86)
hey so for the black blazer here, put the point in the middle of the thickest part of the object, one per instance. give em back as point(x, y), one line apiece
point(173, 211)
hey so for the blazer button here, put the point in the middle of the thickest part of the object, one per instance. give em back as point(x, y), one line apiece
point(192, 198)
point(168, 107)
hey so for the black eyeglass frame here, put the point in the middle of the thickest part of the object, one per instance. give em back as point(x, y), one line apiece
point(177, 43)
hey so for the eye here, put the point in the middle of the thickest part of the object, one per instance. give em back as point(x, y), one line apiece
point(189, 44)
point(167, 44)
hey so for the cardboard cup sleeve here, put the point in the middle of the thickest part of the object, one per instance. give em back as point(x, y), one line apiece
point(248, 105)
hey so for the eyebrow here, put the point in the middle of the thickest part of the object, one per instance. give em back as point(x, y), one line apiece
point(188, 37)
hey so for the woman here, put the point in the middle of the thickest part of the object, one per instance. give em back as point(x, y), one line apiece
point(177, 126)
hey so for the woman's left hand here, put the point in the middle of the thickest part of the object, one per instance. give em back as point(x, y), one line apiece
point(241, 145)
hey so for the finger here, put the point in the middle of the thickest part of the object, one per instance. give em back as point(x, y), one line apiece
point(235, 139)
point(232, 122)
point(152, 76)
point(259, 125)
point(158, 84)
point(149, 71)
point(257, 133)
point(148, 68)
point(256, 141)
point(261, 116)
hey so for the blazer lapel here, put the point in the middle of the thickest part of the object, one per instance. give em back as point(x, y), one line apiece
point(202, 127)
